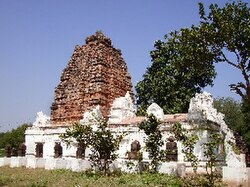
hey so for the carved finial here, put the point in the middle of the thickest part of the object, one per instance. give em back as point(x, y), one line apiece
point(99, 37)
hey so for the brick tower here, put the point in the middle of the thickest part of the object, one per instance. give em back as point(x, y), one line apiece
point(95, 75)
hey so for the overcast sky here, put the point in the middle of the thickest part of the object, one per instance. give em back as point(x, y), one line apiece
point(37, 39)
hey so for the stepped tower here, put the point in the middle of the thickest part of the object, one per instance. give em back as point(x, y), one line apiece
point(95, 75)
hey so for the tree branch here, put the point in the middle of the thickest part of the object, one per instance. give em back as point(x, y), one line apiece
point(237, 88)
point(229, 62)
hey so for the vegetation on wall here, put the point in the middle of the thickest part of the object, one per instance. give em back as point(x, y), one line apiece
point(211, 152)
point(153, 141)
point(101, 141)
point(188, 141)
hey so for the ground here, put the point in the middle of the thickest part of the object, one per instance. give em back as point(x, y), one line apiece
point(18, 177)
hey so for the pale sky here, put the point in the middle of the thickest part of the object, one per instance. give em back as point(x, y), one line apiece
point(37, 39)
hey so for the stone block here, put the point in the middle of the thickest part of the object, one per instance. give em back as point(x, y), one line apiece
point(236, 176)
point(79, 165)
point(17, 162)
point(55, 163)
point(168, 167)
point(33, 162)
point(4, 161)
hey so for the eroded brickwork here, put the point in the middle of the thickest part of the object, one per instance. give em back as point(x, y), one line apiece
point(96, 74)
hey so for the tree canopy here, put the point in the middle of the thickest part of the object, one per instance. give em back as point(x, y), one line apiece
point(232, 109)
point(228, 38)
point(183, 64)
point(14, 137)
point(169, 81)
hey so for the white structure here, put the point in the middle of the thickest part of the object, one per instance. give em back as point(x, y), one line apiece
point(41, 120)
point(42, 138)
point(156, 110)
point(122, 108)
point(92, 116)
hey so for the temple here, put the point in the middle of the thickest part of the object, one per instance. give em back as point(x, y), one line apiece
point(96, 83)
point(96, 75)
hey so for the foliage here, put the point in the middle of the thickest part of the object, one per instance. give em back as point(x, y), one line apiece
point(237, 115)
point(153, 141)
point(103, 146)
point(232, 109)
point(184, 63)
point(79, 133)
point(14, 137)
point(211, 152)
point(200, 181)
point(211, 148)
point(227, 32)
point(101, 141)
point(188, 142)
point(2, 152)
point(2, 134)
point(177, 72)
point(245, 130)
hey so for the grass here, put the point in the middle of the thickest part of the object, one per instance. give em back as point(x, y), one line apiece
point(23, 177)
point(18, 177)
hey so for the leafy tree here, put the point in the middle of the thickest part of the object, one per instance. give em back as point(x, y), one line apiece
point(227, 34)
point(174, 76)
point(14, 137)
point(79, 133)
point(237, 115)
point(232, 109)
point(184, 63)
point(101, 141)
point(103, 146)
point(153, 141)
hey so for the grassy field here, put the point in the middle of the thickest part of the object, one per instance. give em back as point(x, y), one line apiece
point(23, 177)
point(18, 177)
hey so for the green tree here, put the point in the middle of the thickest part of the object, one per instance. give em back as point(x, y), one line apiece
point(101, 141)
point(78, 133)
point(232, 109)
point(14, 137)
point(237, 117)
point(104, 146)
point(184, 63)
point(154, 141)
point(227, 34)
point(174, 76)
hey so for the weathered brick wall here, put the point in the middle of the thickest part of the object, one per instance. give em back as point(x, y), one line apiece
point(96, 74)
